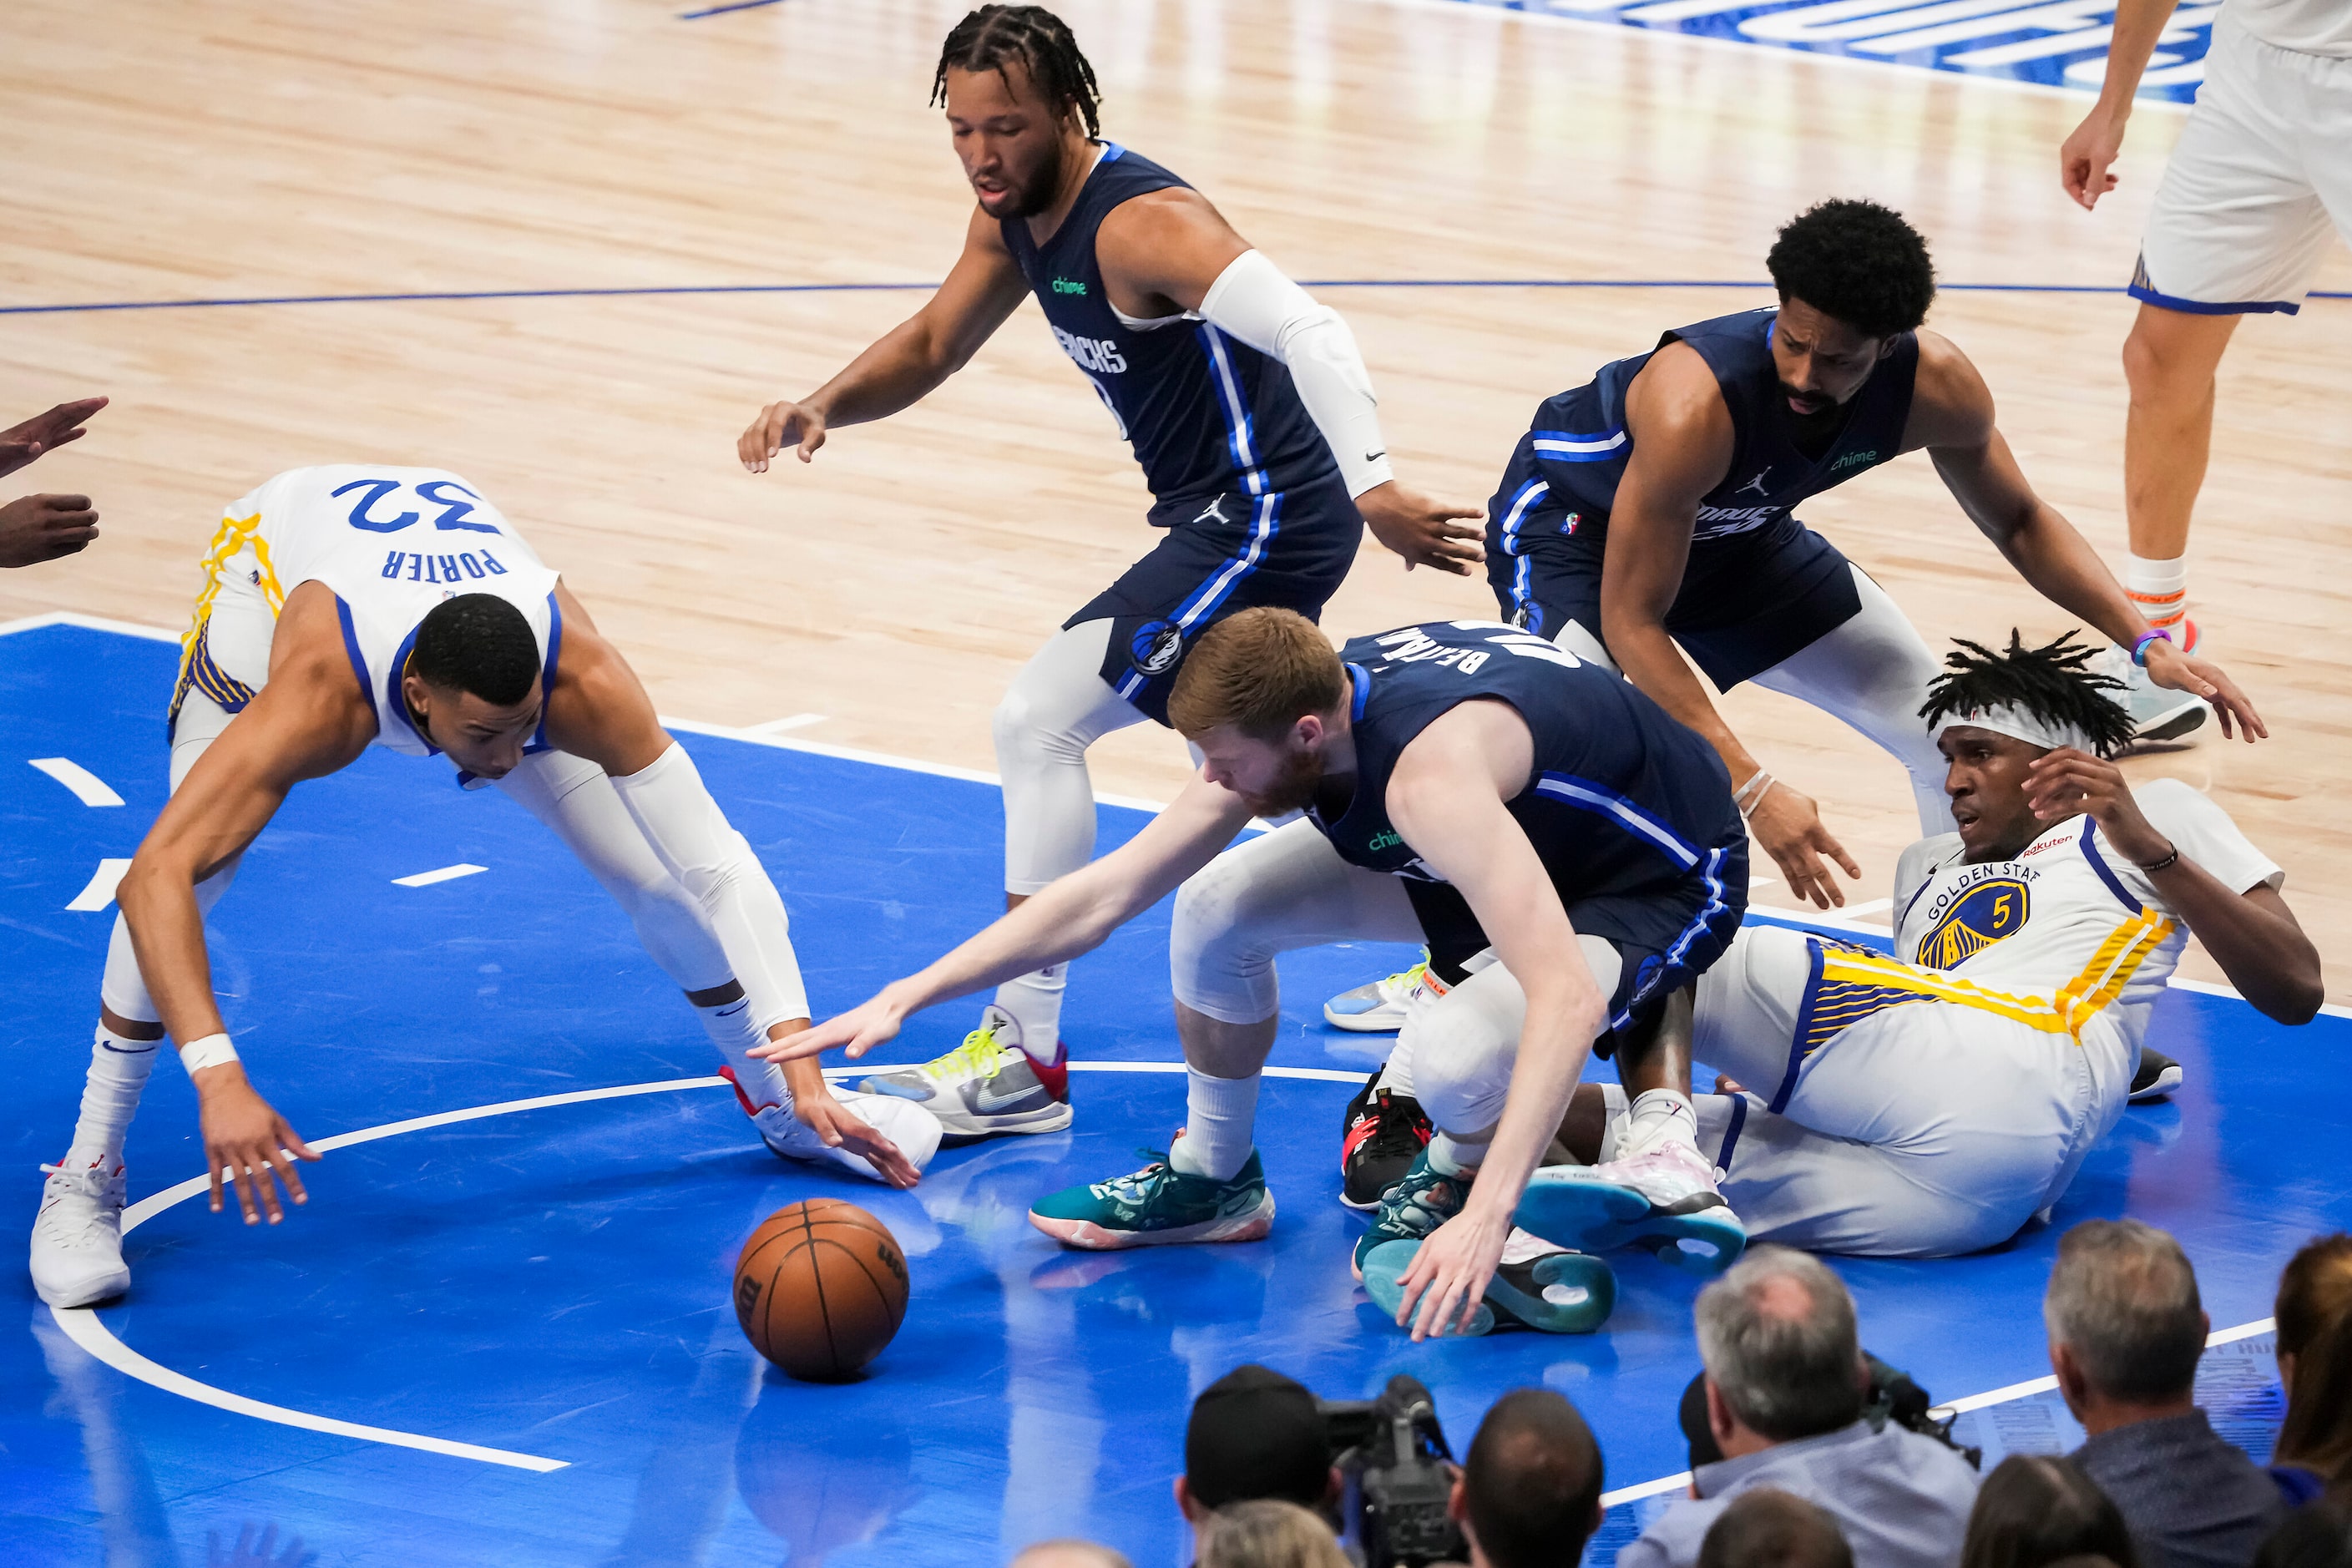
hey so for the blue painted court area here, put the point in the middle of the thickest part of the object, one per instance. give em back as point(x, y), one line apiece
point(553, 1282)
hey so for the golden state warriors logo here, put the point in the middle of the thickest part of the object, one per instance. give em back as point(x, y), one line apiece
point(1989, 912)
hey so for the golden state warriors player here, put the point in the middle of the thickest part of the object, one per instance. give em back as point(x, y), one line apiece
point(1245, 402)
point(354, 604)
point(1934, 1101)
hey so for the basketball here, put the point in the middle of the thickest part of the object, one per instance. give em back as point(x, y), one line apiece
point(820, 1288)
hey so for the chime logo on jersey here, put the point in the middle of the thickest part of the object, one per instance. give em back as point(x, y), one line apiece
point(1989, 912)
point(1100, 356)
point(1158, 644)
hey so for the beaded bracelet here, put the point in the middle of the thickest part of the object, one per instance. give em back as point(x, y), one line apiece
point(2139, 649)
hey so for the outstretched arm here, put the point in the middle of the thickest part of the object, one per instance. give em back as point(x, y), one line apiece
point(1447, 798)
point(1171, 251)
point(1075, 915)
point(20, 444)
point(2084, 160)
point(310, 720)
point(1952, 416)
point(981, 290)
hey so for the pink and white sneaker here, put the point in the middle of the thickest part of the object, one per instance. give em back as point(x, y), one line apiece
point(1662, 1199)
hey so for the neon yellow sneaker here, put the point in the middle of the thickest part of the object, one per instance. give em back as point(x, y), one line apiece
point(987, 1087)
point(1377, 1007)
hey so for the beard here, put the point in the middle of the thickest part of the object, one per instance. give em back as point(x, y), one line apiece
point(1032, 190)
point(1290, 789)
point(1813, 409)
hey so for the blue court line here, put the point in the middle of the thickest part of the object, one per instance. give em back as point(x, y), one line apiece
point(720, 10)
point(874, 288)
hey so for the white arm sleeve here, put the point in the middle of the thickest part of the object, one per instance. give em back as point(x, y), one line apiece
point(695, 845)
point(1252, 301)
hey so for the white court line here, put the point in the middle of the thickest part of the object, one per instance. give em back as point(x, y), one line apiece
point(446, 874)
point(88, 787)
point(778, 726)
point(99, 890)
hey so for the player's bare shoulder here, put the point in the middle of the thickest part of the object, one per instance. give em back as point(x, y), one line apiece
point(1682, 429)
point(1950, 404)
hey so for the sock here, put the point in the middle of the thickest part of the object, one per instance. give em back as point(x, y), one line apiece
point(1397, 1076)
point(1452, 1156)
point(2158, 590)
point(1617, 1120)
point(1034, 1000)
point(109, 1097)
point(758, 1084)
point(1219, 1113)
point(1660, 1116)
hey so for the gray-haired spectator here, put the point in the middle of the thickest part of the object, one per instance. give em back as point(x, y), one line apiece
point(1769, 1528)
point(1785, 1388)
point(2125, 1331)
point(1069, 1554)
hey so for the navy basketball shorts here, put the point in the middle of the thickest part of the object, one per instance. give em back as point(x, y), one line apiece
point(1748, 600)
point(1290, 549)
point(1667, 934)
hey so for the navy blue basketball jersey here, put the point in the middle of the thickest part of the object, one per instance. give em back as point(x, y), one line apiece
point(1207, 414)
point(1575, 454)
point(1630, 811)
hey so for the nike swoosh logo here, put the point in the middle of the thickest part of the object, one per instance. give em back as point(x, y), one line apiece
point(984, 1099)
point(1376, 457)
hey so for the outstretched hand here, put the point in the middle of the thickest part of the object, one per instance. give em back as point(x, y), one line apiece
point(1448, 1277)
point(2168, 666)
point(781, 424)
point(840, 1127)
point(1425, 533)
point(1787, 825)
point(871, 1023)
point(34, 528)
point(20, 444)
point(247, 1141)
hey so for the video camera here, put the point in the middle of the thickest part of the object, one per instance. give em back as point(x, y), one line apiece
point(1895, 1396)
point(1399, 1472)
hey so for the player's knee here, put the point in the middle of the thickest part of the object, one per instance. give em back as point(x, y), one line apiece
point(1030, 730)
point(1211, 952)
point(1461, 1066)
point(2156, 370)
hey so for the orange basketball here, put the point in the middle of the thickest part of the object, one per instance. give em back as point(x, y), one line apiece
point(820, 1288)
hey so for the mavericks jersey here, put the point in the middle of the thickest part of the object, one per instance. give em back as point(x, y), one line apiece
point(1207, 414)
point(2068, 930)
point(390, 542)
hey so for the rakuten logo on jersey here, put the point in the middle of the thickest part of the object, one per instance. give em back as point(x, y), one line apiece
point(1099, 356)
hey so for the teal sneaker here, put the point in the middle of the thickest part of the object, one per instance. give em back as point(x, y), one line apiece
point(1664, 1200)
point(1539, 1286)
point(1420, 1202)
point(1159, 1207)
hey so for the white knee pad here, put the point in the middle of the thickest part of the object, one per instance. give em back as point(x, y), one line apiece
point(1463, 1047)
point(1217, 964)
point(1056, 708)
point(124, 990)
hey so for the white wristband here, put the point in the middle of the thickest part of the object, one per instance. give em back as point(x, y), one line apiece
point(209, 1052)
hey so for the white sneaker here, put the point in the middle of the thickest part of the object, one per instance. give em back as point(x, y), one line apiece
point(1659, 1199)
point(986, 1087)
point(1380, 1007)
point(914, 1130)
point(2157, 713)
point(78, 1239)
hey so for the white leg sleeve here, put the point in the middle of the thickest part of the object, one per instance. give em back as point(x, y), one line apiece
point(1284, 889)
point(578, 804)
point(1056, 707)
point(122, 989)
point(1465, 1044)
point(1873, 672)
point(691, 835)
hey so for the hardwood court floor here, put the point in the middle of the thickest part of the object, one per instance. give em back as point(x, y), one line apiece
point(238, 151)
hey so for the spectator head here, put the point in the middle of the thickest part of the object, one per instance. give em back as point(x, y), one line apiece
point(1772, 1529)
point(2315, 1291)
point(2317, 1535)
point(1255, 1434)
point(1528, 1494)
point(2124, 1323)
point(1266, 1533)
point(2317, 1434)
point(1069, 1554)
point(1783, 1361)
point(2036, 1510)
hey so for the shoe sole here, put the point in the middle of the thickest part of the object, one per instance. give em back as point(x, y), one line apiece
point(963, 1130)
point(1362, 1023)
point(88, 1295)
point(1587, 1280)
point(1384, 1269)
point(1591, 1216)
point(2166, 1082)
point(2171, 726)
point(1087, 1236)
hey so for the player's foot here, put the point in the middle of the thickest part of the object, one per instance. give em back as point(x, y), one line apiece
point(1383, 1131)
point(986, 1087)
point(1662, 1199)
point(1420, 1201)
point(1539, 1286)
point(1159, 1207)
point(2157, 1076)
point(2157, 713)
point(78, 1239)
point(914, 1130)
point(1378, 1007)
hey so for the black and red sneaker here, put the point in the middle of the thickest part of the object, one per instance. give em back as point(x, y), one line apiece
point(1384, 1132)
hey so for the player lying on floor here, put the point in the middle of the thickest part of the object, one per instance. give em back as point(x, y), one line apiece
point(345, 606)
point(1459, 778)
point(1935, 1102)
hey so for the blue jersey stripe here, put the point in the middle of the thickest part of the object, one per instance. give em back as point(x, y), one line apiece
point(1239, 434)
point(1599, 798)
point(1568, 447)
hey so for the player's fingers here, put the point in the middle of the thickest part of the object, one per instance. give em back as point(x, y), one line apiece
point(811, 437)
point(215, 1161)
point(241, 1176)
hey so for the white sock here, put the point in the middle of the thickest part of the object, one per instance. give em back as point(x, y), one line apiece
point(1219, 1113)
point(731, 1028)
point(1397, 1076)
point(1617, 1118)
point(1451, 1156)
point(1034, 1000)
point(1660, 1116)
point(109, 1097)
point(2158, 590)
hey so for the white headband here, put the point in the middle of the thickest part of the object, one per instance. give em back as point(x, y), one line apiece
point(2021, 724)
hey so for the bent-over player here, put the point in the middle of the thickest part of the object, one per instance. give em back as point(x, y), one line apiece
point(1567, 823)
point(1934, 1101)
point(1247, 404)
point(349, 604)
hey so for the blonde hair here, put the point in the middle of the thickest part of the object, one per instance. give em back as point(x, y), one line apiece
point(1261, 671)
point(1267, 1533)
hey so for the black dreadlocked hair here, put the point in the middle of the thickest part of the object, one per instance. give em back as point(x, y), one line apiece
point(986, 38)
point(2054, 683)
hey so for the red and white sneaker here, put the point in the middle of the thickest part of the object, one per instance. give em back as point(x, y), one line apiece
point(915, 1130)
point(77, 1238)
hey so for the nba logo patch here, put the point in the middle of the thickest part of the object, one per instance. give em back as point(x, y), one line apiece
point(1989, 913)
point(1158, 644)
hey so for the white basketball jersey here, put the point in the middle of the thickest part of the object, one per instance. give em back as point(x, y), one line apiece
point(2309, 27)
point(392, 543)
point(2069, 927)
